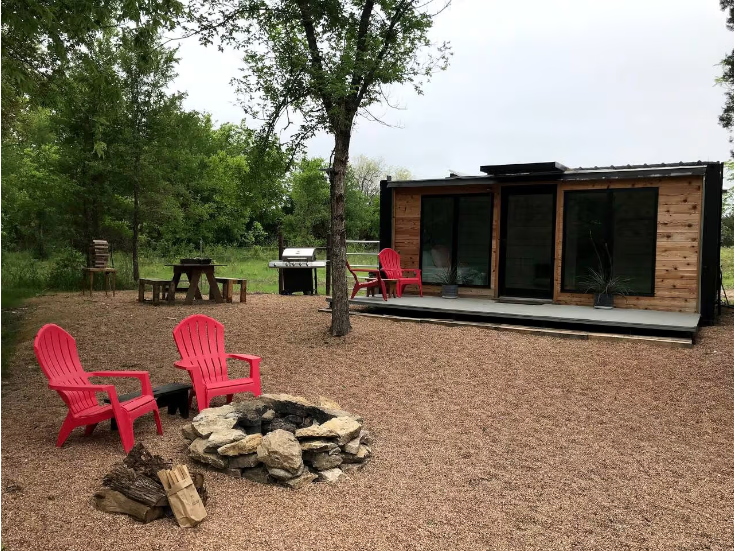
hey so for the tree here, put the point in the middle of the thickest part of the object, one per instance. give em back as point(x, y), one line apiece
point(309, 193)
point(328, 61)
point(40, 36)
point(146, 68)
point(726, 119)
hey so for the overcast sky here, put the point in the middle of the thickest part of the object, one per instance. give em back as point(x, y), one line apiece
point(580, 82)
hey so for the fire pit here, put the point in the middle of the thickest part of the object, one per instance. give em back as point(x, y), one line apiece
point(280, 439)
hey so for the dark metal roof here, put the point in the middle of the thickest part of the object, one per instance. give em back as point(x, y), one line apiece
point(523, 168)
point(668, 170)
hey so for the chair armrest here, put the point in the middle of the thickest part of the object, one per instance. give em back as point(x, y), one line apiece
point(142, 376)
point(184, 364)
point(109, 389)
point(254, 362)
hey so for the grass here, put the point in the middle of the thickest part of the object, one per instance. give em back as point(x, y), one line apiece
point(63, 272)
point(10, 301)
point(727, 266)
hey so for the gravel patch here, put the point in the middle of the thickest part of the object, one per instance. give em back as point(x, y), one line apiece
point(483, 439)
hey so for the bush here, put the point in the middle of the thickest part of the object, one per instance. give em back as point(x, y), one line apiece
point(66, 270)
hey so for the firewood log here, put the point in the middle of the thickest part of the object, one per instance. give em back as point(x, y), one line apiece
point(136, 486)
point(112, 501)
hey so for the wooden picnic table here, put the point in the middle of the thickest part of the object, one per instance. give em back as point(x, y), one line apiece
point(193, 273)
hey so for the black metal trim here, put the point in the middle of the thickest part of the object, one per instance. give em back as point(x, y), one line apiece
point(553, 178)
point(505, 192)
point(709, 287)
point(455, 230)
point(609, 231)
point(386, 207)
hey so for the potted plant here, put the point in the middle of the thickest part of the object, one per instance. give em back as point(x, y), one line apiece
point(449, 279)
point(604, 284)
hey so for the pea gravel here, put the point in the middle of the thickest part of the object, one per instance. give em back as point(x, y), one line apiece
point(483, 439)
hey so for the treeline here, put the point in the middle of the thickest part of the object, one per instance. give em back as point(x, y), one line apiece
point(110, 153)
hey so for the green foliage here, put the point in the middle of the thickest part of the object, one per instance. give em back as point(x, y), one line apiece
point(727, 215)
point(727, 269)
point(308, 223)
point(66, 269)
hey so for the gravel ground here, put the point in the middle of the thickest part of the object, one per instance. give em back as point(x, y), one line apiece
point(484, 439)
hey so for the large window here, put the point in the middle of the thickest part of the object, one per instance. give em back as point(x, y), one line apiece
point(614, 229)
point(456, 231)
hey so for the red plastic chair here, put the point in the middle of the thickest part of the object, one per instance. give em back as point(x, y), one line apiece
point(57, 354)
point(200, 341)
point(390, 262)
point(369, 284)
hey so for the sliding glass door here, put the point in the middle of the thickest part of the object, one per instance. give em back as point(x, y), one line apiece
point(527, 241)
point(456, 235)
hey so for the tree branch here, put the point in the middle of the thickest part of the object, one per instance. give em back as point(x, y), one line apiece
point(315, 55)
point(364, 22)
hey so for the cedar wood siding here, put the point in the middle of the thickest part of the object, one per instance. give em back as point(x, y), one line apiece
point(677, 250)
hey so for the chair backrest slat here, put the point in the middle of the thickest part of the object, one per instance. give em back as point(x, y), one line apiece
point(58, 357)
point(390, 263)
point(200, 340)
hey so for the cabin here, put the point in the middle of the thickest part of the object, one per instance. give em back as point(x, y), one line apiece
point(530, 233)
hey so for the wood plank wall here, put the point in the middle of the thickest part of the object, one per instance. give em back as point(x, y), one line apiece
point(679, 228)
point(680, 204)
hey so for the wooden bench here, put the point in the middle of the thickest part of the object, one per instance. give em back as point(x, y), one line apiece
point(228, 284)
point(173, 395)
point(159, 285)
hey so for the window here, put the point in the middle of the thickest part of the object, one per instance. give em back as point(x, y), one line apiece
point(614, 228)
point(456, 230)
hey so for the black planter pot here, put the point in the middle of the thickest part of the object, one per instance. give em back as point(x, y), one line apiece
point(603, 301)
point(450, 291)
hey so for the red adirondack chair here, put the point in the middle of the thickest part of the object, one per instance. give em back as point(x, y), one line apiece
point(390, 262)
point(369, 284)
point(56, 352)
point(200, 341)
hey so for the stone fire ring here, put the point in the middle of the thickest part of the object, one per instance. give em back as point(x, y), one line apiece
point(280, 439)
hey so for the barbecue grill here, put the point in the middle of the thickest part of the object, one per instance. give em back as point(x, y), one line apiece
point(299, 270)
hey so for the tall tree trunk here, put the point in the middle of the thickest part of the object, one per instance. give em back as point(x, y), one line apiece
point(340, 325)
point(136, 226)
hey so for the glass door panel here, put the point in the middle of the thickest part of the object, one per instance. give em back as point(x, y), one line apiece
point(527, 242)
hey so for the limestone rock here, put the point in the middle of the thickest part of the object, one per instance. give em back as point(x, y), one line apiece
point(214, 413)
point(197, 452)
point(324, 461)
point(244, 461)
point(323, 414)
point(365, 437)
point(233, 472)
point(206, 426)
point(318, 445)
point(300, 481)
point(363, 453)
point(328, 403)
point(286, 404)
point(223, 437)
point(330, 476)
point(246, 445)
point(280, 450)
point(268, 415)
point(343, 429)
point(248, 413)
point(352, 446)
point(283, 424)
point(257, 474)
point(189, 433)
point(282, 474)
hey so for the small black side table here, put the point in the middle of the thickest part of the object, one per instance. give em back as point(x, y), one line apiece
point(173, 395)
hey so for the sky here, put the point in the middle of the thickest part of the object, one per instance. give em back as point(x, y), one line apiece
point(580, 82)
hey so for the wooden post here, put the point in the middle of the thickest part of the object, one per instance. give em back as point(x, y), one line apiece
point(328, 263)
point(280, 256)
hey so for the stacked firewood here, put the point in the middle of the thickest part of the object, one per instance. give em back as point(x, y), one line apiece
point(133, 487)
